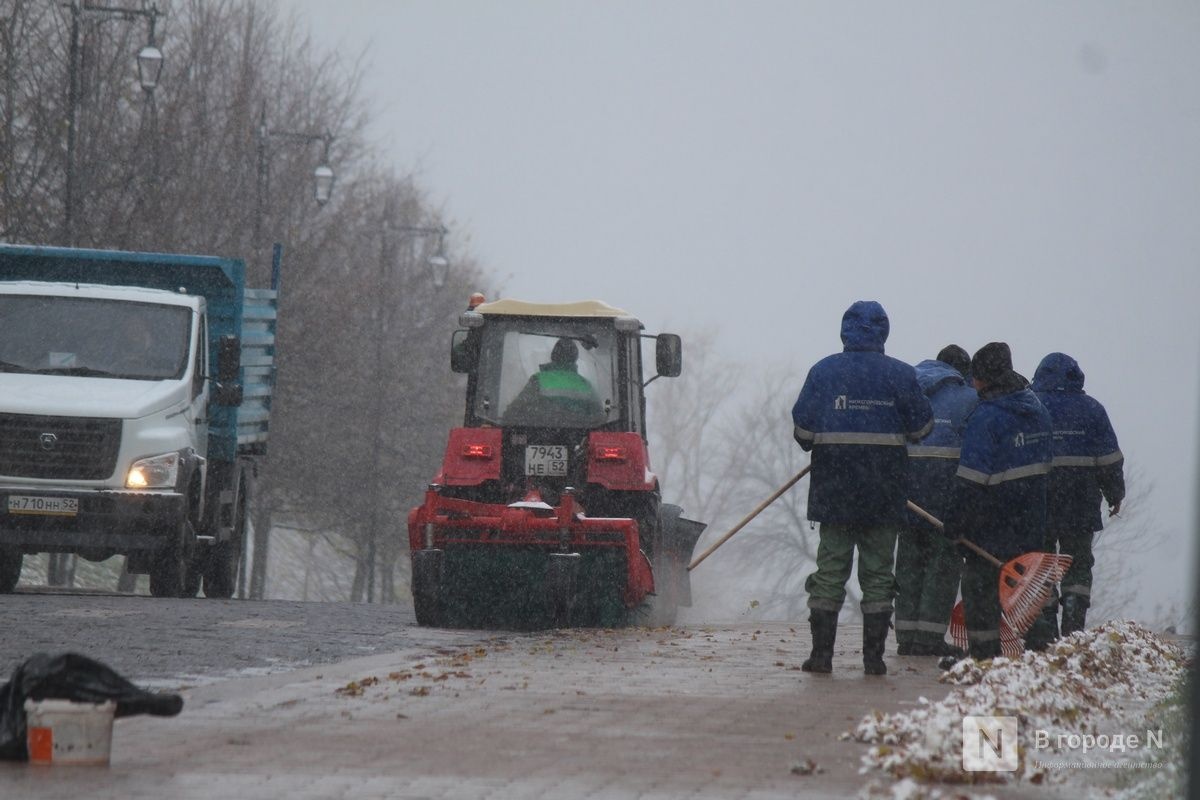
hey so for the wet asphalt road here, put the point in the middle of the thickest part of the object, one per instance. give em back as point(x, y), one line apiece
point(168, 641)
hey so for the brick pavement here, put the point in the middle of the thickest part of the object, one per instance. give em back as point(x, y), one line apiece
point(703, 711)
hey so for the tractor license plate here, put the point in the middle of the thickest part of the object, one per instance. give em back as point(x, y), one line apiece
point(50, 506)
point(546, 459)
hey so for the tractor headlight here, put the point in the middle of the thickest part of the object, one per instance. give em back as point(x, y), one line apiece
point(157, 472)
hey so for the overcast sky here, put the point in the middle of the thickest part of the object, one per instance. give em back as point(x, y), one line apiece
point(1027, 172)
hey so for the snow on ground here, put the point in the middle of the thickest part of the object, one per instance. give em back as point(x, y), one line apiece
point(1077, 705)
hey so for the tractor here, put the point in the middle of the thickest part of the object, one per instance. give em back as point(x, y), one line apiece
point(545, 511)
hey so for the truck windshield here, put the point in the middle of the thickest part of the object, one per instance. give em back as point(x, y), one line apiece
point(547, 374)
point(92, 337)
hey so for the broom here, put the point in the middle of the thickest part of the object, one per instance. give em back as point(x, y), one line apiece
point(1026, 586)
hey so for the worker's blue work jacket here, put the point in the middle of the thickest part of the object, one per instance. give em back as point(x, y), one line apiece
point(933, 461)
point(1087, 460)
point(857, 412)
point(1000, 495)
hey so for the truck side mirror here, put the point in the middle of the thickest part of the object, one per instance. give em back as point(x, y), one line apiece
point(668, 355)
point(227, 394)
point(228, 391)
point(463, 351)
point(229, 359)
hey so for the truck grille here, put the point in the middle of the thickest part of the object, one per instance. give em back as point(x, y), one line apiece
point(67, 448)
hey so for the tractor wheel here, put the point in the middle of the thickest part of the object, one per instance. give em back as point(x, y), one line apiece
point(664, 604)
point(427, 588)
point(655, 521)
point(428, 609)
point(10, 569)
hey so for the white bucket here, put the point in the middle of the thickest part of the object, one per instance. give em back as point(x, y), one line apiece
point(66, 732)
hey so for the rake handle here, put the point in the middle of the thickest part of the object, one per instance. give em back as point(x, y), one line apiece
point(937, 523)
point(745, 520)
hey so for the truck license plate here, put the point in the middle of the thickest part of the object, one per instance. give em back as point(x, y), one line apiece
point(543, 459)
point(51, 506)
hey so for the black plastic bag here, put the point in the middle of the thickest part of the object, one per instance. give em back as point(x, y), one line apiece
point(70, 676)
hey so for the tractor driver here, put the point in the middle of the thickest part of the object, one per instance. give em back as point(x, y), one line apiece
point(558, 387)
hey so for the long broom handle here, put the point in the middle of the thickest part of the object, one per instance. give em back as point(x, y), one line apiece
point(750, 516)
point(937, 523)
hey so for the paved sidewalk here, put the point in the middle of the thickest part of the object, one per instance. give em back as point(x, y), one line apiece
point(705, 711)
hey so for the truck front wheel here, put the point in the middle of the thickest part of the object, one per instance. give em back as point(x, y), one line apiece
point(10, 569)
point(222, 560)
point(170, 571)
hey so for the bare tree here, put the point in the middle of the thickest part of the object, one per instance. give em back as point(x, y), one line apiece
point(31, 119)
point(364, 393)
point(684, 416)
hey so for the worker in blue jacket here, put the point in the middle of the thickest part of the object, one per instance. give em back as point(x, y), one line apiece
point(857, 411)
point(1000, 495)
point(1088, 466)
point(928, 566)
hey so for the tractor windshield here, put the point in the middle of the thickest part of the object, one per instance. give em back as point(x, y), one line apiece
point(552, 373)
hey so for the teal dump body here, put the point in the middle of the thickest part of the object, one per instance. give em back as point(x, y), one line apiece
point(232, 309)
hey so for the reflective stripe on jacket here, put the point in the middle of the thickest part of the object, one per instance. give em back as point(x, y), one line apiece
point(933, 461)
point(1087, 460)
point(856, 412)
point(1000, 496)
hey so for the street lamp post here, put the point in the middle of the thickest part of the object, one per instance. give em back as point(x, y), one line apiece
point(61, 570)
point(149, 65)
point(323, 177)
point(439, 267)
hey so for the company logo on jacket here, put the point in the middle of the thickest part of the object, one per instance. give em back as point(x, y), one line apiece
point(844, 403)
point(1022, 439)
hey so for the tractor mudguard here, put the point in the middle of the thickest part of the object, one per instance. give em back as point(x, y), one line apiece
point(473, 455)
point(618, 462)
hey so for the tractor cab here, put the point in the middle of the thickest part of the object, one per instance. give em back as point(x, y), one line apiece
point(546, 506)
point(563, 384)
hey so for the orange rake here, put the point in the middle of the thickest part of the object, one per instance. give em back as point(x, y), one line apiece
point(1012, 644)
point(1026, 586)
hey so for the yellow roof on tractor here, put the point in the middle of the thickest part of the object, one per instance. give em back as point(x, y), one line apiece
point(582, 308)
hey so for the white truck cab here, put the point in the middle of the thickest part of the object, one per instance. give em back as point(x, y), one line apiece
point(119, 425)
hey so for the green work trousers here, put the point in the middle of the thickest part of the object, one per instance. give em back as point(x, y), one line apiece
point(981, 606)
point(835, 556)
point(928, 567)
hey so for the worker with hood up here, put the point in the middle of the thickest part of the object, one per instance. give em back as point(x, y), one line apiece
point(1088, 465)
point(927, 566)
point(857, 411)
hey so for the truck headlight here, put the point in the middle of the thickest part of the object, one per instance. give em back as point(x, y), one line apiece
point(157, 472)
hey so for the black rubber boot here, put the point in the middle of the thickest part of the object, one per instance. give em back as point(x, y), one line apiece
point(1044, 629)
point(983, 651)
point(947, 649)
point(875, 631)
point(824, 631)
point(1074, 614)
